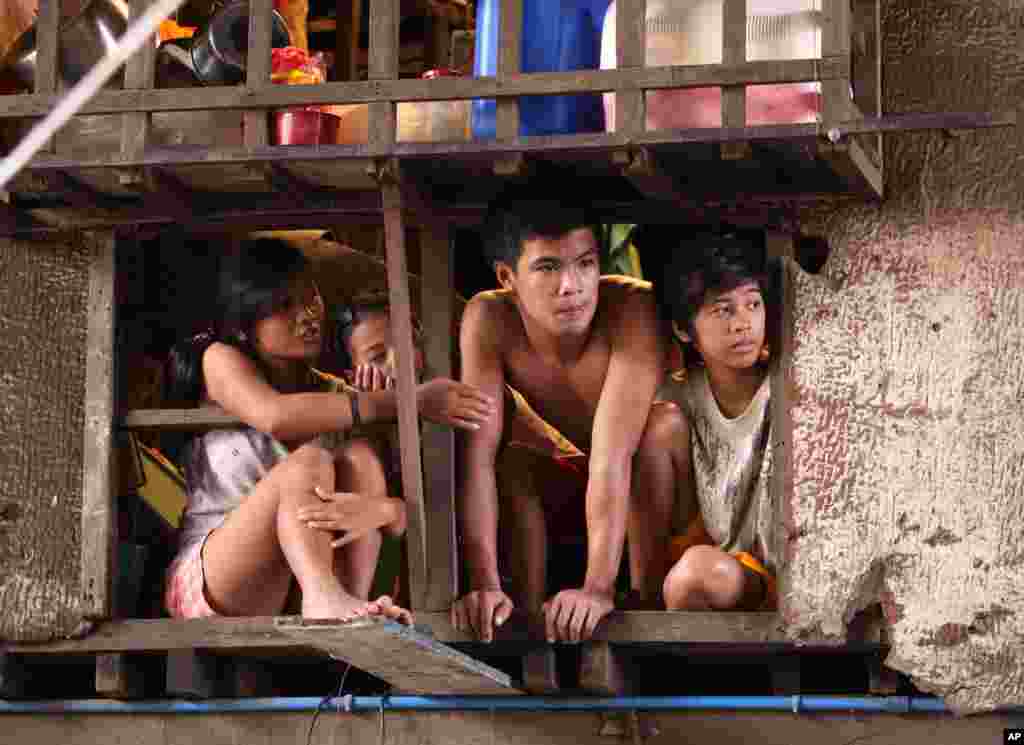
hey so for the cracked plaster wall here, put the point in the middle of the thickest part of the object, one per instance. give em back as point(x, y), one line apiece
point(908, 375)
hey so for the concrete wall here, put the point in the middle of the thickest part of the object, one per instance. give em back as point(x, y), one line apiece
point(908, 415)
point(43, 292)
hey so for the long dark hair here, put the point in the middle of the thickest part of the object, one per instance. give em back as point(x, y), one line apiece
point(253, 285)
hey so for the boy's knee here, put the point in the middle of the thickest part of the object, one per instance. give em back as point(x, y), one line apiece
point(666, 427)
point(708, 570)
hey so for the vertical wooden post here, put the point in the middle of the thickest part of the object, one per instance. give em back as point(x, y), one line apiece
point(99, 535)
point(349, 15)
point(139, 74)
point(47, 54)
point(509, 63)
point(781, 246)
point(257, 70)
point(384, 16)
point(631, 53)
point(408, 420)
point(734, 97)
point(835, 41)
point(437, 301)
point(506, 121)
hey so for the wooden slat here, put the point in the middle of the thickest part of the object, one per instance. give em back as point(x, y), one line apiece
point(509, 65)
point(349, 15)
point(257, 70)
point(630, 50)
point(240, 634)
point(139, 73)
point(406, 658)
point(448, 88)
point(171, 420)
point(734, 51)
point(47, 53)
point(383, 66)
point(408, 419)
point(782, 420)
point(99, 536)
point(835, 41)
point(437, 299)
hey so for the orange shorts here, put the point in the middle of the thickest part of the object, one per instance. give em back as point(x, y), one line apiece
point(696, 535)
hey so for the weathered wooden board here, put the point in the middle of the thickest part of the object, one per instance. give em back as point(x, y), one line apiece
point(908, 448)
point(43, 298)
point(410, 660)
point(225, 634)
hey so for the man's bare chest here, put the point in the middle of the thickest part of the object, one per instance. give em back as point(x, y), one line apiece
point(566, 396)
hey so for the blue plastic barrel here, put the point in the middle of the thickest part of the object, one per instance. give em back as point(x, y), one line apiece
point(558, 36)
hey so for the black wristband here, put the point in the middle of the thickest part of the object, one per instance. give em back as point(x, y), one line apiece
point(353, 402)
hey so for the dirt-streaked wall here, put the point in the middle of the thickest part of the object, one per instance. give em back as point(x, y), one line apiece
point(908, 457)
point(43, 292)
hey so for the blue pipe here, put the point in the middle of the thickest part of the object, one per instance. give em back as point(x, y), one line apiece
point(795, 704)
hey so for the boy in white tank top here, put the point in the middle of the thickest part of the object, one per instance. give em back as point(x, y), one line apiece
point(712, 486)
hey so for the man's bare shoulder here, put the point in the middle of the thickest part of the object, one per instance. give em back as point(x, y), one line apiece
point(623, 297)
point(490, 312)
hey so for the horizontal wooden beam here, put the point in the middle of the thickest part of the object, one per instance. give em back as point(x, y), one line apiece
point(552, 144)
point(265, 632)
point(204, 418)
point(444, 88)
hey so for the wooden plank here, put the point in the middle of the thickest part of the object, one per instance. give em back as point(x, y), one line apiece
point(349, 15)
point(139, 73)
point(408, 419)
point(782, 392)
point(226, 634)
point(99, 536)
point(446, 88)
point(207, 417)
point(408, 659)
point(630, 51)
point(509, 65)
point(255, 123)
point(835, 40)
point(437, 299)
point(734, 51)
point(47, 53)
point(383, 66)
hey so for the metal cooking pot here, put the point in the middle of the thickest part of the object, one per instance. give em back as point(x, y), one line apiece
point(219, 48)
point(84, 39)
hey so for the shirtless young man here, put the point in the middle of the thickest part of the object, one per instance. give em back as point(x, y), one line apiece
point(587, 353)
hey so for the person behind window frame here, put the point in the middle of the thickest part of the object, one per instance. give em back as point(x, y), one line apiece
point(587, 353)
point(277, 500)
point(711, 488)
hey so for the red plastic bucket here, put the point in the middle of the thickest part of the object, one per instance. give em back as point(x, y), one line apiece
point(305, 127)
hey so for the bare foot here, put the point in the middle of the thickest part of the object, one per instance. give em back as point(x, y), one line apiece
point(345, 607)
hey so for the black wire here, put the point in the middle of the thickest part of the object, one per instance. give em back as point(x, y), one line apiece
point(324, 701)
